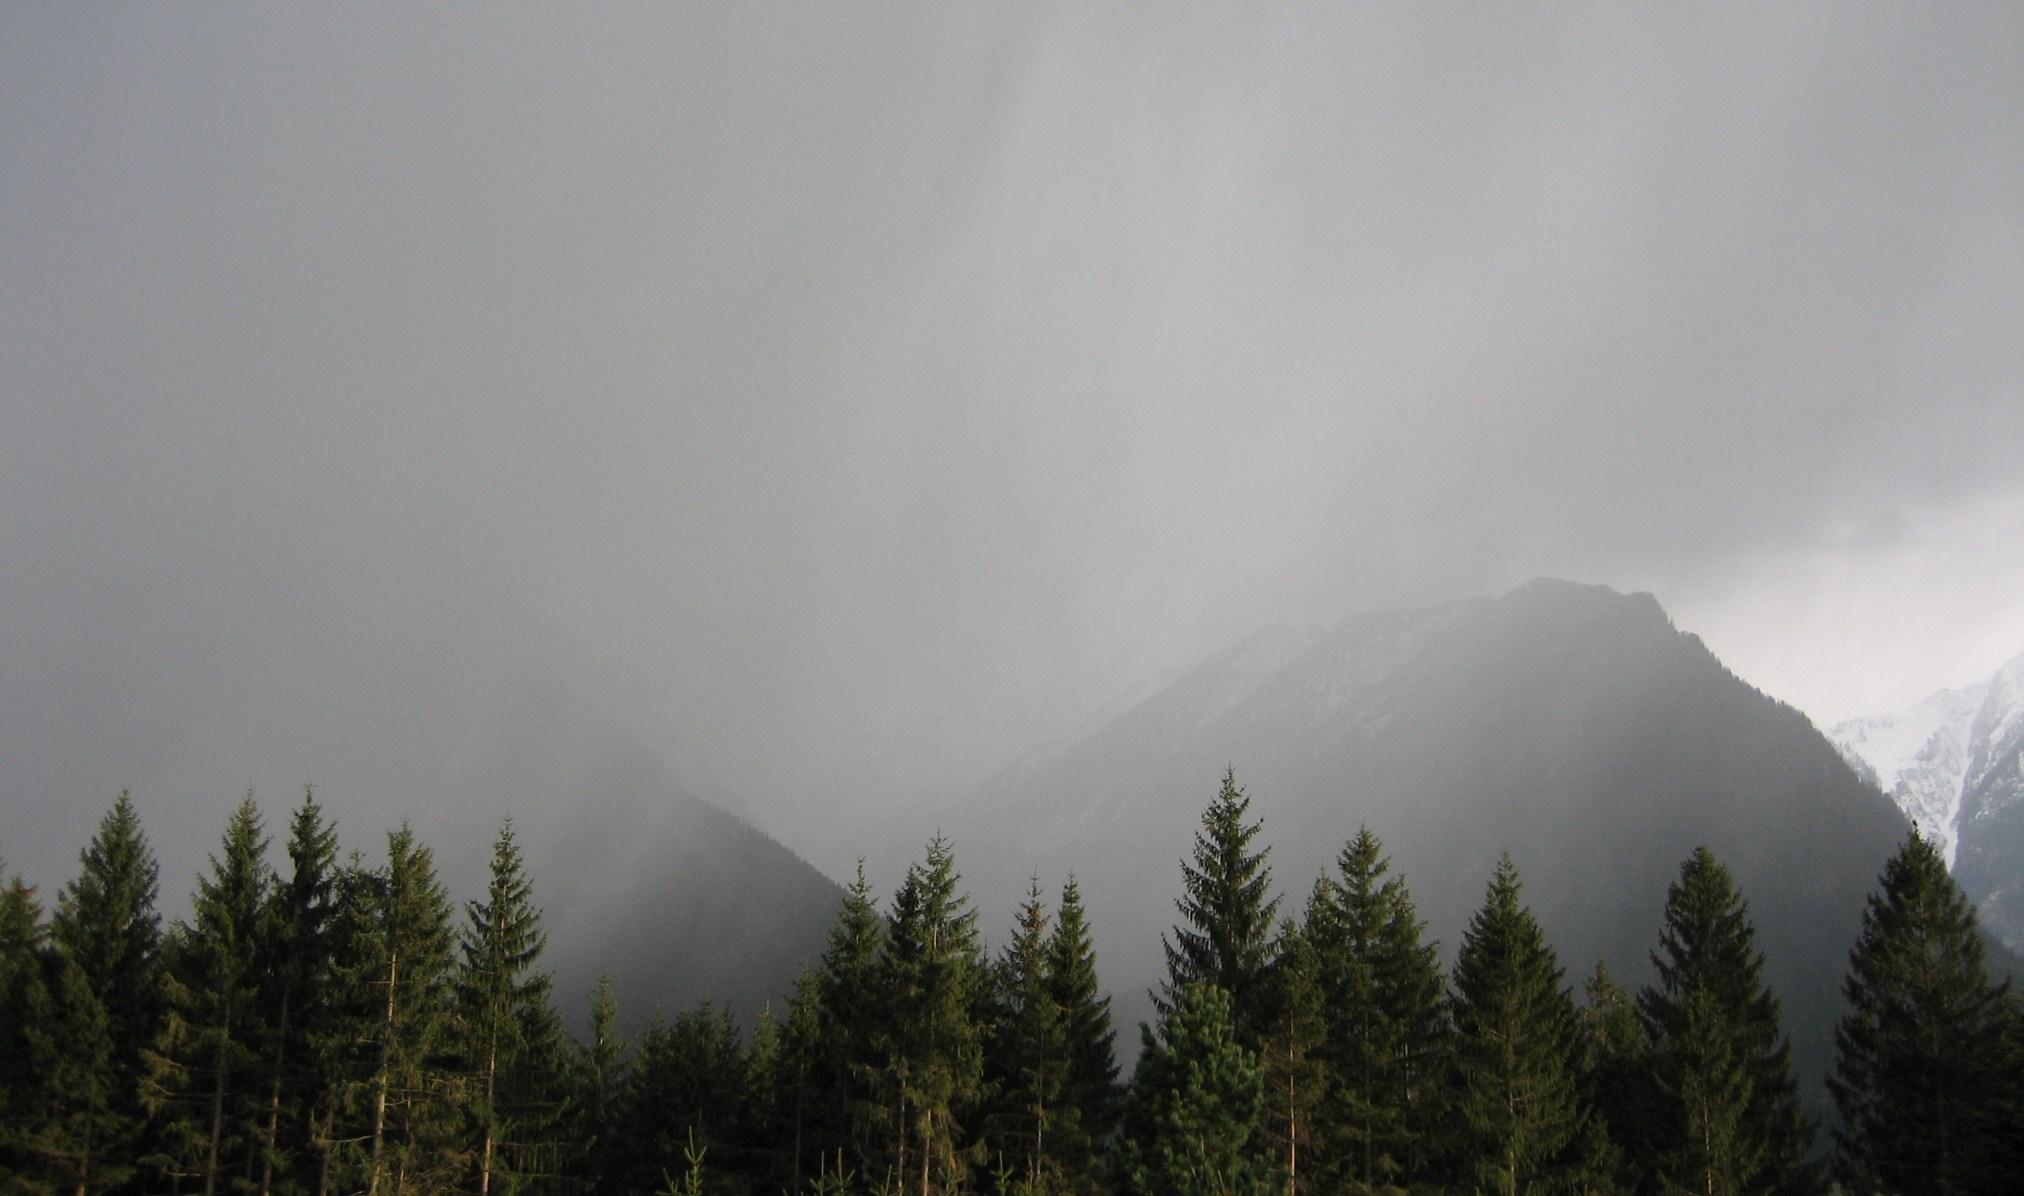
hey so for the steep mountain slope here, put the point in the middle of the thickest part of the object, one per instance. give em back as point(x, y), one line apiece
point(1954, 764)
point(681, 900)
point(1570, 725)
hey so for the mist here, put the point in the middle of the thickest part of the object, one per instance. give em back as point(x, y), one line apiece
point(845, 400)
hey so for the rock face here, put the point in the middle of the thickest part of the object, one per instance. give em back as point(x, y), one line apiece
point(1571, 725)
point(1954, 764)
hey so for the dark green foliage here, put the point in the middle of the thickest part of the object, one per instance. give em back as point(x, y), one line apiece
point(1224, 937)
point(108, 997)
point(1385, 1024)
point(784, 1055)
point(1191, 1122)
point(1027, 1058)
point(510, 1040)
point(1615, 1067)
point(397, 1092)
point(319, 1039)
point(297, 1005)
point(1726, 1117)
point(600, 1075)
point(1919, 1073)
point(685, 1087)
point(24, 1038)
point(1520, 1125)
point(933, 977)
point(204, 1080)
point(836, 1099)
point(1291, 1065)
point(1090, 1084)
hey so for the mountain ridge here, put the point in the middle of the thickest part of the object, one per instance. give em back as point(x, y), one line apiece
point(1573, 726)
point(1954, 763)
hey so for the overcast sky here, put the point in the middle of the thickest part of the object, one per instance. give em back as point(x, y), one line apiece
point(848, 396)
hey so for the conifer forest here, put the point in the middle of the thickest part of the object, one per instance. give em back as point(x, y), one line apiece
point(330, 1021)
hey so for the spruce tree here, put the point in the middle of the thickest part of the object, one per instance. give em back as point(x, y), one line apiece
point(298, 1002)
point(109, 989)
point(1191, 1121)
point(933, 975)
point(794, 1086)
point(1615, 1072)
point(1224, 937)
point(685, 1087)
point(1728, 1114)
point(510, 1036)
point(205, 1080)
point(1027, 1059)
point(24, 1033)
point(843, 1110)
point(1521, 1125)
point(1918, 1074)
point(86, 1133)
point(600, 1072)
point(1291, 1064)
point(1090, 1083)
point(1385, 1023)
point(399, 960)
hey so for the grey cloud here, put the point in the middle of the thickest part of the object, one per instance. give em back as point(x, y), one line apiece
point(853, 397)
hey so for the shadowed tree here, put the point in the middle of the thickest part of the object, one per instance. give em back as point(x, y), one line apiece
point(1521, 1125)
point(1089, 1083)
point(108, 993)
point(1919, 1072)
point(933, 976)
point(205, 1078)
point(511, 1040)
point(1224, 937)
point(1191, 1120)
point(1385, 1023)
point(1026, 1064)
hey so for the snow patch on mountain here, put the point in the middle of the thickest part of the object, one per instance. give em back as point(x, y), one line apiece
point(1919, 758)
point(1944, 759)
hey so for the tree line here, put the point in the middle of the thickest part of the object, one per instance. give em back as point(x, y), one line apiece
point(336, 1026)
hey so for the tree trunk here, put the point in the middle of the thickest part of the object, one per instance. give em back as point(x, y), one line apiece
point(491, 1114)
point(379, 1110)
point(217, 1108)
point(274, 1101)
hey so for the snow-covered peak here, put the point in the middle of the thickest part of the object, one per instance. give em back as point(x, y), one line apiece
point(1999, 723)
point(1926, 758)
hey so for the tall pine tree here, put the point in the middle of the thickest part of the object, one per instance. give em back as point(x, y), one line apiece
point(1385, 1023)
point(404, 1097)
point(109, 990)
point(206, 1079)
point(1090, 1081)
point(933, 975)
point(1227, 912)
point(1615, 1079)
point(297, 999)
point(600, 1074)
point(1027, 1060)
point(1728, 1117)
point(1918, 1074)
point(1521, 1124)
point(24, 1037)
point(510, 1036)
point(1291, 1063)
point(842, 1110)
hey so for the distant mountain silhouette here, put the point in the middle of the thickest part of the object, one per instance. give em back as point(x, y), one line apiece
point(680, 899)
point(1571, 725)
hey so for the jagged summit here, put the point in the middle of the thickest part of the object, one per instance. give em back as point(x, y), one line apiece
point(1954, 763)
